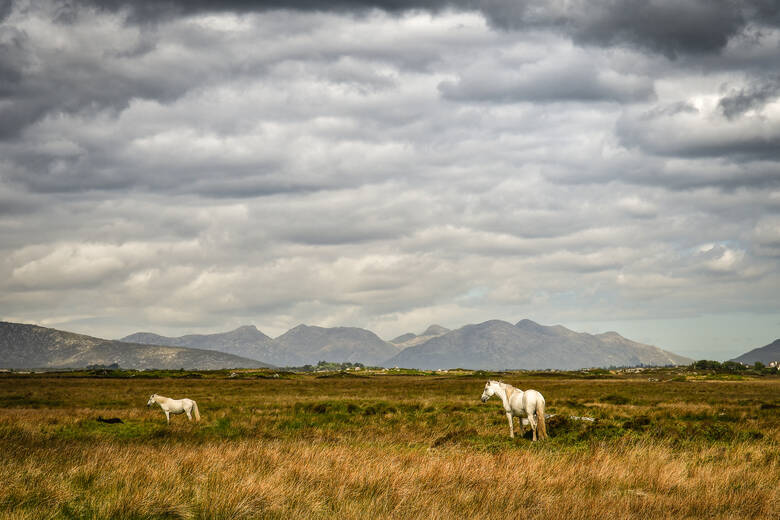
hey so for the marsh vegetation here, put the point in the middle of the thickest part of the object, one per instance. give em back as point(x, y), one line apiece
point(665, 443)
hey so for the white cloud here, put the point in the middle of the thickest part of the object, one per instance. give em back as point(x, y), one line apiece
point(384, 171)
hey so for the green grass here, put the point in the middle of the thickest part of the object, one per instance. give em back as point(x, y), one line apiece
point(310, 405)
point(703, 444)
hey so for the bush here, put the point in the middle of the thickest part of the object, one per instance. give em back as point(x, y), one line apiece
point(616, 399)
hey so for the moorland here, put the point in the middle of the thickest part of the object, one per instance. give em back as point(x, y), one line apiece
point(676, 442)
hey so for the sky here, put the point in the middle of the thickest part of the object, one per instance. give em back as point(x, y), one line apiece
point(176, 167)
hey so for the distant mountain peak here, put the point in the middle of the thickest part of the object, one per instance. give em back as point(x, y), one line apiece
point(246, 328)
point(249, 331)
point(311, 344)
point(531, 325)
point(435, 330)
point(491, 323)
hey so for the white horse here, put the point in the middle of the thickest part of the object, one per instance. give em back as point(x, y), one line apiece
point(518, 404)
point(175, 406)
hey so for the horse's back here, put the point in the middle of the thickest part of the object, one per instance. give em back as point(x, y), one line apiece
point(521, 402)
point(185, 403)
point(532, 399)
point(178, 405)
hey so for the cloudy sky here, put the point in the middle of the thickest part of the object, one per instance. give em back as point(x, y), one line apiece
point(388, 164)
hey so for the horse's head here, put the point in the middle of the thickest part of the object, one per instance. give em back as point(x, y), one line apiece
point(489, 391)
point(151, 400)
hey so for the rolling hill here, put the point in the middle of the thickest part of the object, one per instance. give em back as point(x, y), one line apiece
point(31, 346)
point(765, 354)
point(313, 344)
point(246, 341)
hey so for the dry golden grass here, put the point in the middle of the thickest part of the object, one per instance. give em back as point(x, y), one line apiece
point(386, 447)
point(283, 479)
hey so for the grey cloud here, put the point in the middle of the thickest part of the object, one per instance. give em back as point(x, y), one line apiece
point(702, 174)
point(766, 236)
point(565, 79)
point(670, 27)
point(745, 149)
point(696, 134)
point(75, 81)
point(671, 109)
point(42, 80)
point(381, 170)
point(109, 65)
point(230, 271)
point(340, 229)
point(667, 26)
point(16, 204)
point(240, 146)
point(13, 59)
point(150, 10)
point(5, 8)
point(755, 96)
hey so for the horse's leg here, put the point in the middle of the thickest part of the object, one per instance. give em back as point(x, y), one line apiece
point(511, 425)
point(168, 416)
point(531, 421)
point(189, 414)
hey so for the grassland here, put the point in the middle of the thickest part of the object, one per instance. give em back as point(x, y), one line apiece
point(665, 444)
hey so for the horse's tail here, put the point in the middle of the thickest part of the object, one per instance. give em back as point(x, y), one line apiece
point(541, 426)
point(195, 410)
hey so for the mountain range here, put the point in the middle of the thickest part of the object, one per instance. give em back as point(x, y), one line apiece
point(298, 346)
point(492, 345)
point(498, 345)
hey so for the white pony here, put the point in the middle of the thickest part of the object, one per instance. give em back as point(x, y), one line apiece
point(175, 406)
point(518, 404)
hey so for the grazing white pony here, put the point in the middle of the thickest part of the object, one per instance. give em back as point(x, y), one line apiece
point(175, 406)
point(518, 404)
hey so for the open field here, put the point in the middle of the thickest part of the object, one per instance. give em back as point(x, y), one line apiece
point(388, 446)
